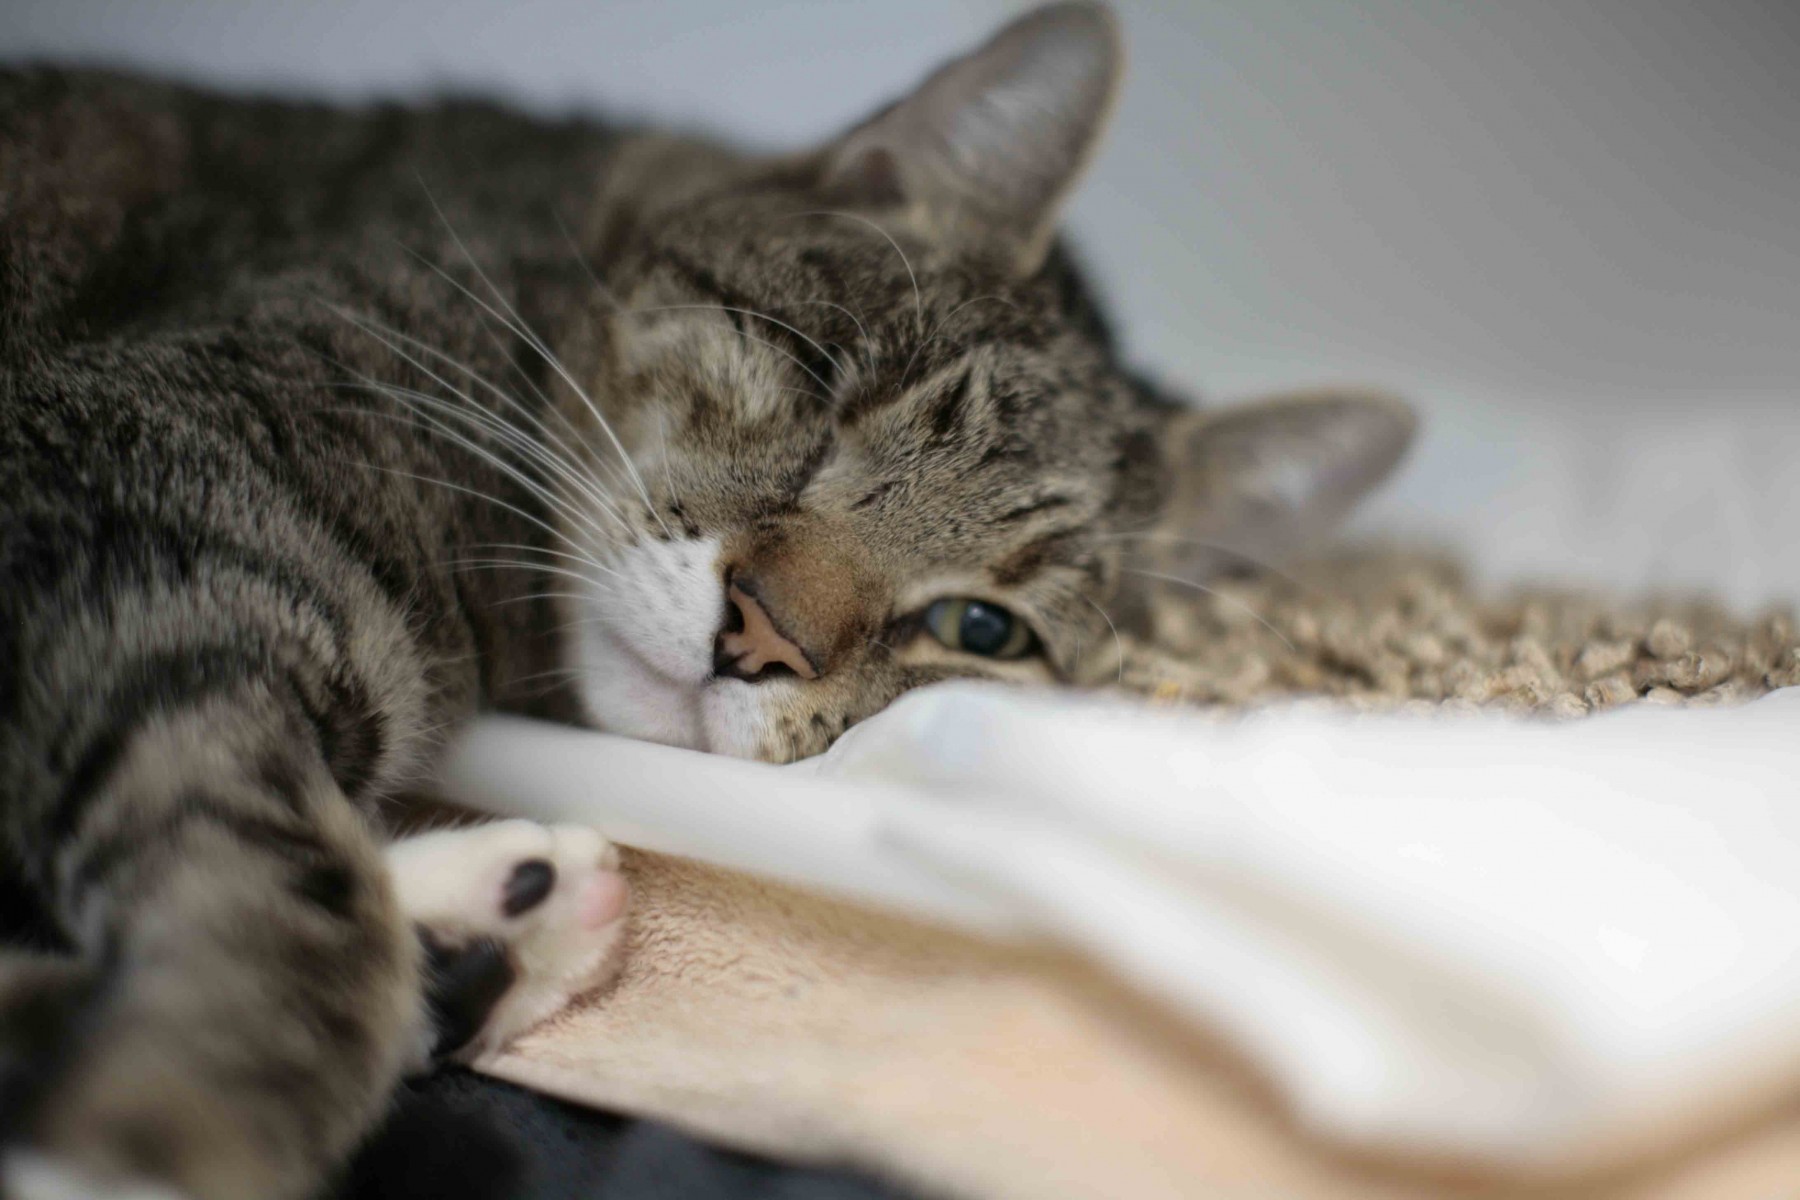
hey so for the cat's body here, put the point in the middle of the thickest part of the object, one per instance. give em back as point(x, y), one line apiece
point(234, 619)
point(291, 488)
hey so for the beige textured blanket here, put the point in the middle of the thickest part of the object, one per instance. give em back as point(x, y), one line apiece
point(779, 1021)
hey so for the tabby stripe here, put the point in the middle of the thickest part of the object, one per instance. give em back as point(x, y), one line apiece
point(822, 365)
point(350, 733)
point(124, 549)
point(93, 863)
point(46, 1027)
point(877, 493)
point(149, 686)
point(817, 455)
point(1008, 447)
point(825, 265)
point(701, 279)
point(1029, 559)
point(1036, 506)
point(948, 408)
point(391, 574)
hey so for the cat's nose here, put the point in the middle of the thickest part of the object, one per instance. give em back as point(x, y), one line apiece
point(750, 646)
point(802, 599)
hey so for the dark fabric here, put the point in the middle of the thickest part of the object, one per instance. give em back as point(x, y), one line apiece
point(460, 1136)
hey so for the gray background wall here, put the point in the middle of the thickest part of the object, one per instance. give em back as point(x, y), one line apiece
point(1569, 229)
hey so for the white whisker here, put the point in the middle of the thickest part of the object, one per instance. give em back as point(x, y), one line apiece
point(522, 548)
point(564, 463)
point(747, 336)
point(662, 437)
point(555, 364)
point(606, 293)
point(1118, 642)
point(937, 331)
point(496, 563)
point(558, 501)
point(750, 312)
point(530, 596)
point(1231, 600)
point(1260, 564)
point(555, 501)
point(382, 332)
point(868, 343)
point(552, 673)
point(456, 487)
point(518, 326)
point(918, 296)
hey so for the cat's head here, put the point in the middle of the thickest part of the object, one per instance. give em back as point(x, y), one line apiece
point(861, 427)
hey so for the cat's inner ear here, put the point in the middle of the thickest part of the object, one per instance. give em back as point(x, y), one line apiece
point(1260, 482)
point(981, 155)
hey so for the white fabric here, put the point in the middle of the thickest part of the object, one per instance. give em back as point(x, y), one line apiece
point(1527, 942)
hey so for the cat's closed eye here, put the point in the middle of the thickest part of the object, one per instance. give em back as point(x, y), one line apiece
point(981, 628)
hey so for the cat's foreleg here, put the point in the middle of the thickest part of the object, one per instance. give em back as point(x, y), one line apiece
point(245, 989)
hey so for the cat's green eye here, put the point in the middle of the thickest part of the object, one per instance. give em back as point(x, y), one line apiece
point(977, 627)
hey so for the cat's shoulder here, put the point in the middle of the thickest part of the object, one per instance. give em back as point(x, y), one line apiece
point(126, 189)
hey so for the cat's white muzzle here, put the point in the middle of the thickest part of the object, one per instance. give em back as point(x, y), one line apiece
point(641, 641)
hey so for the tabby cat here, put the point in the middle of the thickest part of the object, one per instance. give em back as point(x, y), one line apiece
point(321, 430)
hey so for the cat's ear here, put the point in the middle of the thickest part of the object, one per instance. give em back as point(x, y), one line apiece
point(1258, 482)
point(981, 155)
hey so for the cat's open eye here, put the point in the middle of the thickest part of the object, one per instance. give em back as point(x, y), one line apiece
point(977, 627)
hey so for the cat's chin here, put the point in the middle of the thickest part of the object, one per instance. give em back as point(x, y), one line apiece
point(623, 694)
point(734, 717)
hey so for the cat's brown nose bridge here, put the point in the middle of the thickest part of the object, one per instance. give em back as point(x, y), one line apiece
point(750, 644)
point(800, 596)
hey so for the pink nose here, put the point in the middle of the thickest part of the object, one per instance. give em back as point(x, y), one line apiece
point(750, 647)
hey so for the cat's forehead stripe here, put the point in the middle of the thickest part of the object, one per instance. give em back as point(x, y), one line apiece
point(1058, 548)
point(1033, 507)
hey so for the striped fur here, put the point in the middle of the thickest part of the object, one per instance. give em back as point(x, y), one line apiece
point(234, 617)
point(291, 487)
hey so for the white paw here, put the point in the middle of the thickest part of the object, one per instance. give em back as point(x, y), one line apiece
point(551, 896)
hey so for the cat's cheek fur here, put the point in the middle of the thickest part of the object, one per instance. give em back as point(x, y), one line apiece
point(621, 695)
point(735, 716)
point(640, 638)
point(664, 601)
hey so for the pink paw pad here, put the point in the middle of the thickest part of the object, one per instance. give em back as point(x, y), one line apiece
point(603, 900)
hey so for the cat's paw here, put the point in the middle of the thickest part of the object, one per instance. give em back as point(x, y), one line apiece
point(517, 918)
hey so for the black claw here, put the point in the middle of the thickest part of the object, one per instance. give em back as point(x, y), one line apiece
point(463, 983)
point(527, 886)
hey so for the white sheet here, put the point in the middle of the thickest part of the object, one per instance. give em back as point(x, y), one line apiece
point(1531, 943)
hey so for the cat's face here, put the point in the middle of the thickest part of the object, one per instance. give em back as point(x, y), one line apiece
point(860, 429)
